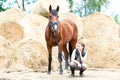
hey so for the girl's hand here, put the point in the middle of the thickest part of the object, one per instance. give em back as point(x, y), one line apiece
point(79, 65)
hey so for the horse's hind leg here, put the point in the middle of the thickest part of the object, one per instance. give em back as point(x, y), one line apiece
point(66, 56)
point(73, 45)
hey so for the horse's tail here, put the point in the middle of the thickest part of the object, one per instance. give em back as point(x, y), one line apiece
point(70, 50)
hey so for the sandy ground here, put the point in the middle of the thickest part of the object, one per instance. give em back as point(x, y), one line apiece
point(89, 75)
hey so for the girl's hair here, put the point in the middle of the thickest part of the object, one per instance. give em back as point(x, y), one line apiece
point(82, 44)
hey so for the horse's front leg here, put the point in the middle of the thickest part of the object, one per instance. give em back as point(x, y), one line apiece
point(66, 54)
point(49, 59)
point(60, 62)
point(60, 58)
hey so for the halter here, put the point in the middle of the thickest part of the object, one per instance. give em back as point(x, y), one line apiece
point(54, 26)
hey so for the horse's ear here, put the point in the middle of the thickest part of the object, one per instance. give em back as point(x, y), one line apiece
point(50, 8)
point(57, 9)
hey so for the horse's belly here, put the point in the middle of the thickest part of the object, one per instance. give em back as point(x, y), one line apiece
point(67, 34)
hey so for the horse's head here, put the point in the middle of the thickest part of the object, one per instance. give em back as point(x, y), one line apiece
point(53, 18)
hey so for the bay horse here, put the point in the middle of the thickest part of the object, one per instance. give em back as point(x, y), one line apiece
point(59, 33)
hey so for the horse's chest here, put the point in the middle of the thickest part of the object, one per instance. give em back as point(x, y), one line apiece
point(51, 39)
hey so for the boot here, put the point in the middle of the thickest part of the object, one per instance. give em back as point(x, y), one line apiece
point(81, 71)
point(72, 73)
point(81, 74)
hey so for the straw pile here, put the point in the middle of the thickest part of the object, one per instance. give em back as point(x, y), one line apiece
point(34, 26)
point(42, 6)
point(102, 41)
point(11, 31)
point(28, 54)
point(4, 18)
point(5, 53)
point(9, 28)
point(15, 14)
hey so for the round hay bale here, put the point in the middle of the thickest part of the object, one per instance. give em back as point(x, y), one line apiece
point(76, 19)
point(33, 20)
point(42, 6)
point(11, 31)
point(32, 54)
point(34, 26)
point(5, 54)
point(14, 13)
point(100, 30)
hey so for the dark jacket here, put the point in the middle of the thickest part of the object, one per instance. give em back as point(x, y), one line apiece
point(77, 54)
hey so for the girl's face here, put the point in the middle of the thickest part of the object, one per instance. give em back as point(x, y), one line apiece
point(80, 47)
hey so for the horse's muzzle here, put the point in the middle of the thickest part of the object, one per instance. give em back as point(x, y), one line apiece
point(54, 26)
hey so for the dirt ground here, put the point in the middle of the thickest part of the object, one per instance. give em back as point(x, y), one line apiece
point(91, 74)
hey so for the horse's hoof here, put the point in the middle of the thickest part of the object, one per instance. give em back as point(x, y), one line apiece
point(49, 73)
point(61, 72)
point(66, 68)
